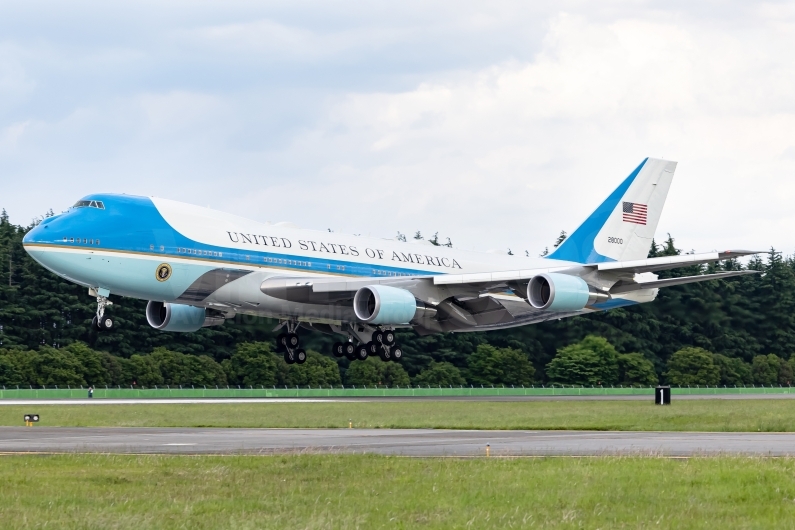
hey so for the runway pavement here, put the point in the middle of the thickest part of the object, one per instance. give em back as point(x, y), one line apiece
point(185, 401)
point(406, 442)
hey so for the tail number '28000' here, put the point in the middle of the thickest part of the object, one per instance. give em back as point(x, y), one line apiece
point(616, 240)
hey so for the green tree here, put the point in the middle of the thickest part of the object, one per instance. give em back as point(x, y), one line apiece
point(440, 374)
point(318, 370)
point(59, 368)
point(494, 366)
point(253, 363)
point(636, 370)
point(592, 361)
point(575, 365)
point(143, 370)
point(765, 369)
point(375, 372)
point(10, 375)
point(18, 367)
point(94, 371)
point(692, 366)
point(733, 371)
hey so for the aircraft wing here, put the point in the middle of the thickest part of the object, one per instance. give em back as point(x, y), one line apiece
point(329, 290)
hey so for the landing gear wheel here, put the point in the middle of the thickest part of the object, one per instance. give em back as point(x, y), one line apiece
point(104, 324)
point(338, 350)
point(373, 347)
point(349, 350)
point(289, 358)
point(388, 337)
point(378, 337)
point(292, 340)
point(300, 356)
point(361, 352)
point(384, 354)
point(397, 354)
point(280, 339)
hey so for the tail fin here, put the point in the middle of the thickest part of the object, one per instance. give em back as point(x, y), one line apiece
point(622, 227)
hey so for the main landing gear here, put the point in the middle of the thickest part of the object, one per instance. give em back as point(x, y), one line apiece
point(382, 344)
point(290, 345)
point(101, 321)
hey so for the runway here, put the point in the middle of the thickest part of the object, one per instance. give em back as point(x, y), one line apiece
point(188, 401)
point(405, 442)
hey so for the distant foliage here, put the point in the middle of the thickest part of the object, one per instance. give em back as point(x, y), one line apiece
point(691, 367)
point(317, 371)
point(636, 370)
point(46, 337)
point(499, 366)
point(592, 361)
point(440, 374)
point(375, 372)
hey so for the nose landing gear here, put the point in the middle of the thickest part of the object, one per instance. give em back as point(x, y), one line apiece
point(101, 321)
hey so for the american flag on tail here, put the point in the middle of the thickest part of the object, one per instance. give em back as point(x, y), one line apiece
point(634, 213)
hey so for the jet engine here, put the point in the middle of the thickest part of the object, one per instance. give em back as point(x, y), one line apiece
point(381, 304)
point(179, 318)
point(561, 292)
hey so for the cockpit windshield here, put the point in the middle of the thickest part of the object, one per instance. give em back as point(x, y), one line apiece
point(89, 204)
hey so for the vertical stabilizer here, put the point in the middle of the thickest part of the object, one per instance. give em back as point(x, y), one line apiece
point(622, 227)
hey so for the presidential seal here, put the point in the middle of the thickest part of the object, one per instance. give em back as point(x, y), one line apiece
point(163, 272)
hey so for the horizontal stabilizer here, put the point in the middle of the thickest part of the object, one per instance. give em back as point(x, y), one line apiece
point(622, 287)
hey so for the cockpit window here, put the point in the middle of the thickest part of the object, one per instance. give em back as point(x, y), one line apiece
point(89, 204)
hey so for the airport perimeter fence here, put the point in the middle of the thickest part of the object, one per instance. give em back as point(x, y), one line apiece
point(348, 392)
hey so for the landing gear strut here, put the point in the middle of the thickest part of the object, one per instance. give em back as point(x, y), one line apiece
point(101, 321)
point(290, 344)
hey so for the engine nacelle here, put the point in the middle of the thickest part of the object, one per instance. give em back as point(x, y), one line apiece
point(381, 304)
point(178, 317)
point(561, 292)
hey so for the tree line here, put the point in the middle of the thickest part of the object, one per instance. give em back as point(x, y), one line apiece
point(737, 321)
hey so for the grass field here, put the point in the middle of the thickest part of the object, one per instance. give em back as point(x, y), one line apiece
point(696, 415)
point(311, 491)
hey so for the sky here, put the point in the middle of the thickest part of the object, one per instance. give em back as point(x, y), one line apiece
point(497, 124)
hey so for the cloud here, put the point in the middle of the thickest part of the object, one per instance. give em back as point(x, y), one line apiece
point(498, 127)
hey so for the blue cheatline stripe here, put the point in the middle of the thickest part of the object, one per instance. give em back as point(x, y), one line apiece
point(614, 303)
point(111, 229)
point(579, 246)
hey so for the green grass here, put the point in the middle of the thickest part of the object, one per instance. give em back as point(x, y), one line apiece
point(696, 415)
point(355, 491)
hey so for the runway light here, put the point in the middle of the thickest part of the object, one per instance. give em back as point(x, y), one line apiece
point(488, 449)
point(30, 418)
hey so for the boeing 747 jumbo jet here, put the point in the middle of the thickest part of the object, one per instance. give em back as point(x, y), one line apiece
point(198, 267)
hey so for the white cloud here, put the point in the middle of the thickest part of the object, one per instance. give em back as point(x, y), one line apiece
point(497, 126)
point(474, 153)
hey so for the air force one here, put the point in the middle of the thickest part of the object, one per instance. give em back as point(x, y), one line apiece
point(198, 267)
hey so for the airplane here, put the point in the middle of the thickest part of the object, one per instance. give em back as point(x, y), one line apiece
point(198, 267)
